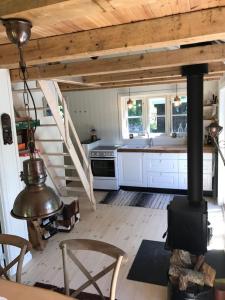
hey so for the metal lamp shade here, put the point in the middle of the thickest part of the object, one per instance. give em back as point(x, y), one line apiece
point(214, 129)
point(18, 30)
point(36, 200)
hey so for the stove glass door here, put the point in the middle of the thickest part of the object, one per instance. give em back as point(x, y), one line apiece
point(103, 167)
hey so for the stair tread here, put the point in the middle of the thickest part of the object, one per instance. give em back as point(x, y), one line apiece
point(74, 189)
point(71, 167)
point(56, 153)
point(47, 125)
point(72, 178)
point(48, 140)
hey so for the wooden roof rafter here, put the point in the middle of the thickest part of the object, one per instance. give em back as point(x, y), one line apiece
point(187, 28)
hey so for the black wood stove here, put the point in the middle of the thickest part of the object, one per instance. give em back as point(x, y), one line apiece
point(187, 215)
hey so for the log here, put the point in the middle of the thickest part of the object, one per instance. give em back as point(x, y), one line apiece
point(199, 260)
point(181, 258)
point(209, 274)
point(187, 275)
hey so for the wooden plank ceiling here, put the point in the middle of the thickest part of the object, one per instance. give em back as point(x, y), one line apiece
point(66, 34)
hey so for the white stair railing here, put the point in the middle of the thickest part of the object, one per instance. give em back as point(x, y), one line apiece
point(66, 127)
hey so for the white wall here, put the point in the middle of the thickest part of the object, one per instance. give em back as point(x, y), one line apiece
point(221, 167)
point(10, 183)
point(101, 109)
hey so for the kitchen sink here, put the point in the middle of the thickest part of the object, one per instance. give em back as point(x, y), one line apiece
point(135, 147)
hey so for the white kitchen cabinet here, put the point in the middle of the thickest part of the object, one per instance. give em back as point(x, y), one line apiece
point(162, 180)
point(207, 181)
point(160, 165)
point(130, 166)
point(207, 171)
point(160, 170)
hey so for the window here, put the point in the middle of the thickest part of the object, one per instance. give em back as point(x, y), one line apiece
point(157, 108)
point(135, 117)
point(153, 116)
point(179, 116)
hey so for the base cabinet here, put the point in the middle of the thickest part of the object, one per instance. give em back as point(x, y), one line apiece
point(207, 181)
point(162, 180)
point(130, 169)
point(160, 170)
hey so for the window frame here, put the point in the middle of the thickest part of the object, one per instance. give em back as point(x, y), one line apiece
point(171, 112)
point(146, 113)
point(143, 116)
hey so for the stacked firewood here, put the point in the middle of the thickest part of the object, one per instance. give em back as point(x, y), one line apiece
point(186, 270)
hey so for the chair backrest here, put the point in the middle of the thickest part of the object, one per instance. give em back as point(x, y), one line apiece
point(16, 241)
point(97, 246)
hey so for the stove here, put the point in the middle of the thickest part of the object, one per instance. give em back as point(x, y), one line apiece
point(104, 167)
point(104, 151)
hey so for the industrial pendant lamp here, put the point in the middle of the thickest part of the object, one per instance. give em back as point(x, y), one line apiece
point(129, 102)
point(176, 100)
point(36, 200)
point(214, 130)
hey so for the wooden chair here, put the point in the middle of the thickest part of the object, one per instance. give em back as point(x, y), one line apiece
point(16, 241)
point(84, 244)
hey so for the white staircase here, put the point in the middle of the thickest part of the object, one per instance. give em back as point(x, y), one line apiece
point(68, 136)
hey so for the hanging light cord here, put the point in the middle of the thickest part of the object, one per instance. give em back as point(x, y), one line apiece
point(26, 94)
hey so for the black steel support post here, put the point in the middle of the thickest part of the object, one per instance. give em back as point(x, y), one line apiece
point(195, 75)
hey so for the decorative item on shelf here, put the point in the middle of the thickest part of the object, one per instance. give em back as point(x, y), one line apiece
point(180, 131)
point(129, 102)
point(173, 134)
point(176, 100)
point(131, 136)
point(26, 124)
point(214, 130)
point(93, 135)
point(36, 200)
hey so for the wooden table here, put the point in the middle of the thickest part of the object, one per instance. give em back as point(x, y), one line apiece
point(12, 290)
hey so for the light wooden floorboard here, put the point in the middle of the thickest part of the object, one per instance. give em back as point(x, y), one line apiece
point(124, 227)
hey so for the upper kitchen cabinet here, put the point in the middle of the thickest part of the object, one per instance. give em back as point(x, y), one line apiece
point(131, 169)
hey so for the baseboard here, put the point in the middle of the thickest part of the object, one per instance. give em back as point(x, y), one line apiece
point(160, 190)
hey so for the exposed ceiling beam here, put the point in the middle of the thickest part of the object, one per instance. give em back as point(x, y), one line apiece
point(173, 30)
point(76, 81)
point(132, 63)
point(45, 12)
point(69, 87)
point(9, 7)
point(216, 69)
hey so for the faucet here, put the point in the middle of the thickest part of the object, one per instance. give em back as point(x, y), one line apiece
point(150, 142)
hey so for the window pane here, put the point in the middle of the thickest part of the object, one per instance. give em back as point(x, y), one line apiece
point(136, 109)
point(182, 108)
point(157, 125)
point(135, 125)
point(157, 115)
point(179, 123)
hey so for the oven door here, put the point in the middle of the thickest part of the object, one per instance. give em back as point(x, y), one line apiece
point(103, 167)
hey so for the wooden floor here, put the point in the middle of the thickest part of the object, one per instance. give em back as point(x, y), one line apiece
point(124, 227)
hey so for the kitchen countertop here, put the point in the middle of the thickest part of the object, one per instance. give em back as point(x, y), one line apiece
point(162, 149)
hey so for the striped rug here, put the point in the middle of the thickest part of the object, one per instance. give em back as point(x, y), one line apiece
point(138, 199)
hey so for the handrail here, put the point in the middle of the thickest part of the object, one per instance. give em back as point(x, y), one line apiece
point(69, 120)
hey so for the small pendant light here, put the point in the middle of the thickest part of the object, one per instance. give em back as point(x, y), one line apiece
point(176, 100)
point(129, 102)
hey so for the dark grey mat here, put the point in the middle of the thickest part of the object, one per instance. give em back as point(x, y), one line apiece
point(152, 262)
point(137, 199)
point(81, 296)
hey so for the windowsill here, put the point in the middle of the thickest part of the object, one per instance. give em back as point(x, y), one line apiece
point(146, 137)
